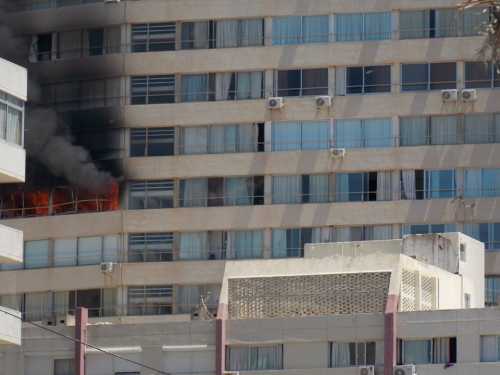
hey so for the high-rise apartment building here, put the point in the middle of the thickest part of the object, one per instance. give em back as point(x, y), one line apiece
point(241, 130)
point(13, 94)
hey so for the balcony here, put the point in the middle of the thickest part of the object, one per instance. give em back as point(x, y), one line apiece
point(10, 326)
point(12, 163)
point(11, 245)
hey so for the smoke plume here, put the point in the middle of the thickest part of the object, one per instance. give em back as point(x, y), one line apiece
point(47, 139)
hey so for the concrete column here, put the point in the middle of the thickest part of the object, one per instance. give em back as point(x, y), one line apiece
point(268, 83)
point(331, 27)
point(395, 131)
point(460, 75)
point(81, 320)
point(268, 31)
point(396, 78)
point(268, 243)
point(396, 185)
point(396, 230)
point(331, 81)
point(126, 38)
point(395, 25)
point(220, 339)
point(268, 189)
point(268, 136)
point(390, 334)
point(178, 35)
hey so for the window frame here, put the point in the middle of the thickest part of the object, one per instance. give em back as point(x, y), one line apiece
point(168, 134)
point(145, 98)
point(149, 36)
point(429, 83)
point(364, 86)
point(285, 92)
point(149, 186)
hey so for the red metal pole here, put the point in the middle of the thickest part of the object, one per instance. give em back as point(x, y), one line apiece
point(81, 320)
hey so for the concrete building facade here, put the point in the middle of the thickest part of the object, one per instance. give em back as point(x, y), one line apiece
point(212, 173)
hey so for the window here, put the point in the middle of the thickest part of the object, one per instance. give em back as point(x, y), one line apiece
point(362, 233)
point(481, 75)
point(153, 89)
point(222, 86)
point(435, 76)
point(300, 29)
point(150, 300)
point(363, 133)
point(11, 118)
point(86, 250)
point(64, 366)
point(218, 139)
point(43, 46)
point(153, 37)
point(427, 228)
point(96, 42)
point(350, 354)
point(223, 34)
point(482, 182)
point(490, 348)
point(488, 233)
point(152, 142)
point(150, 247)
point(307, 135)
point(362, 26)
point(420, 184)
point(434, 130)
point(151, 194)
point(36, 254)
point(441, 23)
point(189, 299)
point(289, 243)
point(302, 82)
point(301, 189)
point(368, 79)
point(222, 191)
point(482, 128)
point(437, 350)
point(492, 291)
point(247, 358)
point(368, 186)
point(92, 299)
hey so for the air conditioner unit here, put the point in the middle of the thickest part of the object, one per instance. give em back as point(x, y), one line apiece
point(275, 102)
point(231, 373)
point(337, 153)
point(111, 1)
point(323, 101)
point(107, 267)
point(405, 370)
point(449, 95)
point(469, 95)
point(367, 370)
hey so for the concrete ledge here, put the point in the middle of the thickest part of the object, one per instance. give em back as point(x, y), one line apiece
point(10, 327)
point(11, 245)
point(12, 163)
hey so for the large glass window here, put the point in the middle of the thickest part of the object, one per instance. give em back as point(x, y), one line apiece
point(301, 189)
point(350, 354)
point(481, 75)
point(192, 299)
point(488, 233)
point(363, 133)
point(98, 301)
point(152, 142)
point(482, 182)
point(306, 135)
point(11, 118)
point(490, 348)
point(151, 194)
point(362, 233)
point(248, 358)
point(492, 297)
point(429, 184)
point(153, 89)
point(150, 247)
point(36, 254)
point(150, 300)
point(367, 186)
point(222, 34)
point(434, 130)
point(153, 37)
point(362, 26)
point(427, 228)
point(300, 29)
point(368, 79)
point(218, 139)
point(437, 350)
point(302, 82)
point(220, 191)
point(435, 76)
point(289, 243)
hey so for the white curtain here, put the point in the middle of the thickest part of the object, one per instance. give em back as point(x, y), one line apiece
point(377, 26)
point(89, 250)
point(473, 182)
point(341, 354)
point(65, 250)
point(252, 32)
point(3, 120)
point(255, 358)
point(195, 87)
point(187, 298)
point(194, 140)
point(417, 352)
point(217, 140)
point(249, 85)
point(342, 234)
point(247, 135)
point(287, 189)
point(319, 191)
point(315, 29)
point(377, 132)
point(279, 243)
point(238, 191)
point(384, 184)
point(287, 30)
point(446, 23)
point(381, 232)
point(348, 134)
point(413, 131)
point(111, 248)
point(349, 27)
point(408, 185)
point(194, 192)
point(200, 35)
point(193, 245)
point(286, 136)
point(227, 34)
point(246, 244)
point(444, 130)
point(441, 350)
point(38, 306)
point(414, 24)
point(36, 254)
point(480, 128)
point(490, 348)
point(14, 126)
point(315, 135)
point(223, 85)
point(61, 302)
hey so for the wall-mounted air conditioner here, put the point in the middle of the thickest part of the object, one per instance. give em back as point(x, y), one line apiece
point(337, 153)
point(367, 370)
point(468, 95)
point(107, 267)
point(323, 101)
point(275, 102)
point(448, 96)
point(405, 370)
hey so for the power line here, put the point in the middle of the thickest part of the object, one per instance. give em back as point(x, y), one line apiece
point(87, 344)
